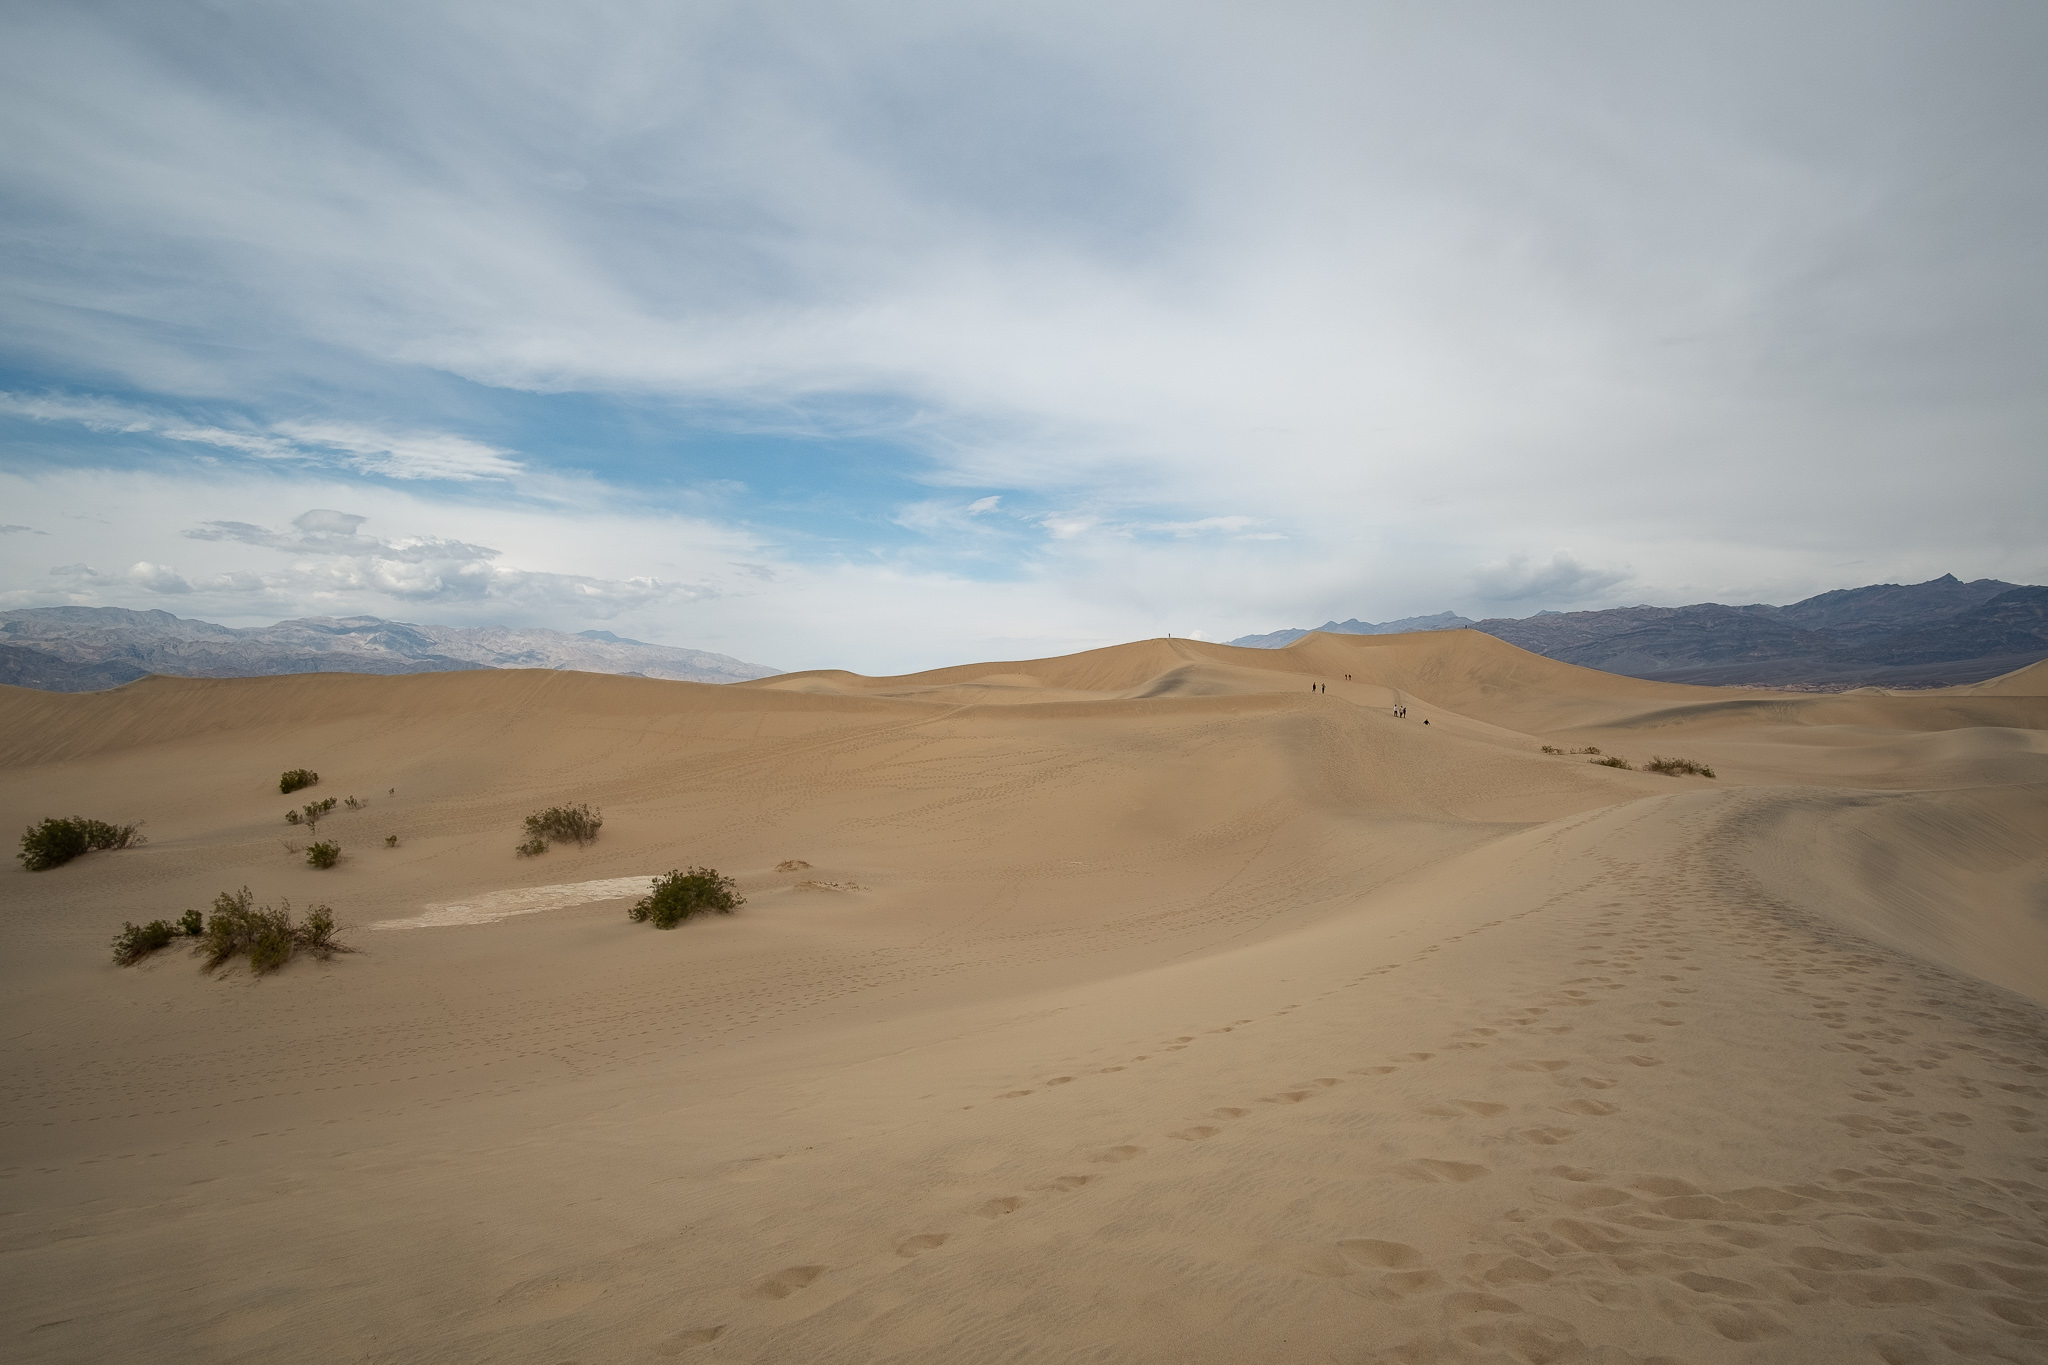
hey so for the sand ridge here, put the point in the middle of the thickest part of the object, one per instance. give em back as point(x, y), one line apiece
point(1181, 1013)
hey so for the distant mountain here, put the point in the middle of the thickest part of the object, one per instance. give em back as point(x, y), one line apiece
point(1443, 620)
point(81, 649)
point(1934, 634)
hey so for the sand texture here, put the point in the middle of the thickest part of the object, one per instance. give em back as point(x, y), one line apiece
point(1141, 1005)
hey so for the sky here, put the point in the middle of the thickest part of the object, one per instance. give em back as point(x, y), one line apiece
point(884, 336)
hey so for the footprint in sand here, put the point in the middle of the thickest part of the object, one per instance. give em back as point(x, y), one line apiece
point(1369, 1252)
point(1116, 1154)
point(1454, 1172)
point(1059, 1080)
point(920, 1244)
point(1195, 1134)
point(683, 1341)
point(996, 1208)
point(1545, 1137)
point(1015, 1094)
point(1375, 1070)
point(787, 1281)
point(1594, 1108)
point(1542, 1066)
point(1229, 1112)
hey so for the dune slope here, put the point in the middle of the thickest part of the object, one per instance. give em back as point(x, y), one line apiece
point(1141, 1005)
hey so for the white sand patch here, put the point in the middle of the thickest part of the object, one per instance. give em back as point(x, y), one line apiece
point(492, 906)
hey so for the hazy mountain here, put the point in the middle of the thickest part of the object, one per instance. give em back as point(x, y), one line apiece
point(1931, 634)
point(79, 649)
point(1443, 620)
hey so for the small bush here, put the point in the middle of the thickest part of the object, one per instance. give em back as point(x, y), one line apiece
point(295, 779)
point(560, 824)
point(309, 814)
point(1552, 749)
point(1614, 761)
point(137, 941)
point(1672, 767)
point(391, 841)
point(55, 842)
point(680, 895)
point(268, 937)
point(323, 855)
point(354, 804)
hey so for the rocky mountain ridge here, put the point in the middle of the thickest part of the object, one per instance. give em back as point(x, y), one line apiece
point(1934, 634)
point(80, 649)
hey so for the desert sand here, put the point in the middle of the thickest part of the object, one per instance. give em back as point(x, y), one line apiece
point(1139, 1005)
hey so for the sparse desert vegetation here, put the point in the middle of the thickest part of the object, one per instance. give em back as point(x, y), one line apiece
point(1673, 767)
point(791, 865)
point(1612, 761)
point(680, 895)
point(352, 804)
point(309, 814)
point(268, 937)
point(295, 779)
point(323, 855)
point(137, 941)
point(391, 841)
point(560, 824)
point(55, 842)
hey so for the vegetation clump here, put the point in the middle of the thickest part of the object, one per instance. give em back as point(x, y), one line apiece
point(137, 941)
point(323, 855)
point(309, 814)
point(1672, 767)
point(1613, 761)
point(354, 804)
point(560, 824)
point(680, 895)
point(391, 841)
point(268, 937)
point(295, 779)
point(55, 842)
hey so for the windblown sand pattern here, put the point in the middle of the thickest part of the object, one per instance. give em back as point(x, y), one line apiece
point(1182, 1014)
point(492, 906)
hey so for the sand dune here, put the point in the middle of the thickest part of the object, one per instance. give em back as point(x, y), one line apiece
point(1142, 1004)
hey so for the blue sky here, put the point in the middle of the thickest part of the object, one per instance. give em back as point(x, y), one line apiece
point(883, 336)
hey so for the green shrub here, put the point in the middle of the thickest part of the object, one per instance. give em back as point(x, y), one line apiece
point(560, 824)
point(391, 841)
point(137, 941)
point(1672, 767)
point(309, 814)
point(323, 855)
point(295, 779)
point(55, 842)
point(680, 895)
point(1613, 761)
point(354, 804)
point(268, 937)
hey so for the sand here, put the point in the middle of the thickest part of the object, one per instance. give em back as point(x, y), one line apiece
point(1140, 1005)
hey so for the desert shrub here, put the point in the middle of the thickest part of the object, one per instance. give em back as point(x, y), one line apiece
point(55, 842)
point(1672, 767)
point(391, 841)
point(323, 855)
point(295, 779)
point(1552, 749)
point(268, 937)
point(309, 814)
point(354, 804)
point(137, 941)
point(560, 824)
point(680, 895)
point(1613, 761)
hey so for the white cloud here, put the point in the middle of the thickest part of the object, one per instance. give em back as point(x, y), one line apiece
point(1562, 579)
point(362, 449)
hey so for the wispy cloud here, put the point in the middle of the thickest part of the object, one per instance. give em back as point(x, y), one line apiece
point(1561, 579)
point(362, 449)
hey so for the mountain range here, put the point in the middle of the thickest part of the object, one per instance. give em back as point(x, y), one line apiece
point(82, 649)
point(1934, 634)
